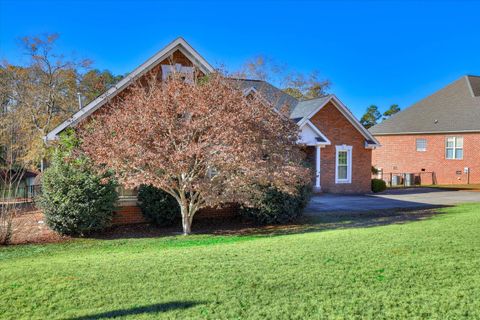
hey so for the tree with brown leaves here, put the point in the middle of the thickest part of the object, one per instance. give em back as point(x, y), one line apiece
point(203, 142)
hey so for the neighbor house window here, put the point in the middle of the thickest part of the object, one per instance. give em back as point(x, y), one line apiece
point(421, 144)
point(454, 148)
point(343, 164)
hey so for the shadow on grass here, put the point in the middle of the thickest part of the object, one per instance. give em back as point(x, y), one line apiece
point(236, 226)
point(346, 220)
point(153, 308)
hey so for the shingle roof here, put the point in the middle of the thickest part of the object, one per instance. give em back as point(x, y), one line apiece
point(274, 95)
point(305, 108)
point(455, 108)
point(298, 109)
point(475, 84)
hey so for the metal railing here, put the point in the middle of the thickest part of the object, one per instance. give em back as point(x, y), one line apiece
point(21, 194)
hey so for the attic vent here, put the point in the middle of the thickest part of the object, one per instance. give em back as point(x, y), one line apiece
point(185, 72)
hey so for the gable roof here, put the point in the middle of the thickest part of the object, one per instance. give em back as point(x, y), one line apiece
point(300, 111)
point(304, 108)
point(308, 108)
point(177, 44)
point(454, 108)
point(277, 97)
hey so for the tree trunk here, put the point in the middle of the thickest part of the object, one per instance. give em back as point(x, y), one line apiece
point(187, 225)
point(186, 221)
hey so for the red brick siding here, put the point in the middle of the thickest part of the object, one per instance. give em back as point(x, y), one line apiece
point(333, 124)
point(128, 215)
point(132, 214)
point(398, 154)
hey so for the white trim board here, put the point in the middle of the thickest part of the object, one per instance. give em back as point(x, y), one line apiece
point(178, 44)
point(316, 131)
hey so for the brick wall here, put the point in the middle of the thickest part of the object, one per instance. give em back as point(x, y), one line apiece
point(131, 214)
point(398, 154)
point(339, 130)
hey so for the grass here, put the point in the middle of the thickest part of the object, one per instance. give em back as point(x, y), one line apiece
point(423, 269)
point(475, 186)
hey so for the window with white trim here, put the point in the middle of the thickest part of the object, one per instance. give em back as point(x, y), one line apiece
point(421, 144)
point(343, 164)
point(454, 148)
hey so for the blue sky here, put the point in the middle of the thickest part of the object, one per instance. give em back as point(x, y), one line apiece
point(375, 52)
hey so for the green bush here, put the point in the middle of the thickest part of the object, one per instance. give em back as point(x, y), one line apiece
point(158, 206)
point(271, 205)
point(378, 185)
point(74, 199)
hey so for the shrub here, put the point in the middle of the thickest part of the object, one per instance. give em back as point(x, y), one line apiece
point(158, 206)
point(271, 205)
point(378, 185)
point(75, 199)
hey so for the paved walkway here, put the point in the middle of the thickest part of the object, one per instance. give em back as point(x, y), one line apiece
point(390, 199)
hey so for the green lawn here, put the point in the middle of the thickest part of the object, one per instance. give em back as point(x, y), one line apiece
point(457, 186)
point(427, 269)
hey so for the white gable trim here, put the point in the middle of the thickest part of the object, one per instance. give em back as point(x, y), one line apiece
point(350, 117)
point(317, 132)
point(178, 44)
point(247, 91)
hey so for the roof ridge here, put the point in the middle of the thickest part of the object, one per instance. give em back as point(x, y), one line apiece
point(324, 96)
point(246, 79)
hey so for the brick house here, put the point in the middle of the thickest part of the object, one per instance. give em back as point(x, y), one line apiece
point(338, 146)
point(439, 135)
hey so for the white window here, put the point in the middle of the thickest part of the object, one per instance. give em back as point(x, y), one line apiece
point(185, 72)
point(454, 148)
point(421, 144)
point(343, 164)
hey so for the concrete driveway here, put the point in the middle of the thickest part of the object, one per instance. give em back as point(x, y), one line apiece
point(390, 199)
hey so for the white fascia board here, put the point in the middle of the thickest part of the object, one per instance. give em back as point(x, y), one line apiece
point(317, 131)
point(307, 118)
point(247, 91)
point(349, 115)
point(178, 43)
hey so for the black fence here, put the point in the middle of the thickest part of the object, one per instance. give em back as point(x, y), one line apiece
point(21, 194)
point(406, 179)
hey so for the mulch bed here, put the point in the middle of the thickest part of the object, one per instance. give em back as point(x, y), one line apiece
point(30, 227)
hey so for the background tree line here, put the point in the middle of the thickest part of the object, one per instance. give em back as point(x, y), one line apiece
point(373, 115)
point(39, 94)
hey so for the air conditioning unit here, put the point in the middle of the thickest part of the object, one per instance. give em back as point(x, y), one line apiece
point(397, 180)
point(409, 179)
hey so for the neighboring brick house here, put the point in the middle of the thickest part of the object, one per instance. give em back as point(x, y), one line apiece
point(439, 135)
point(338, 146)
